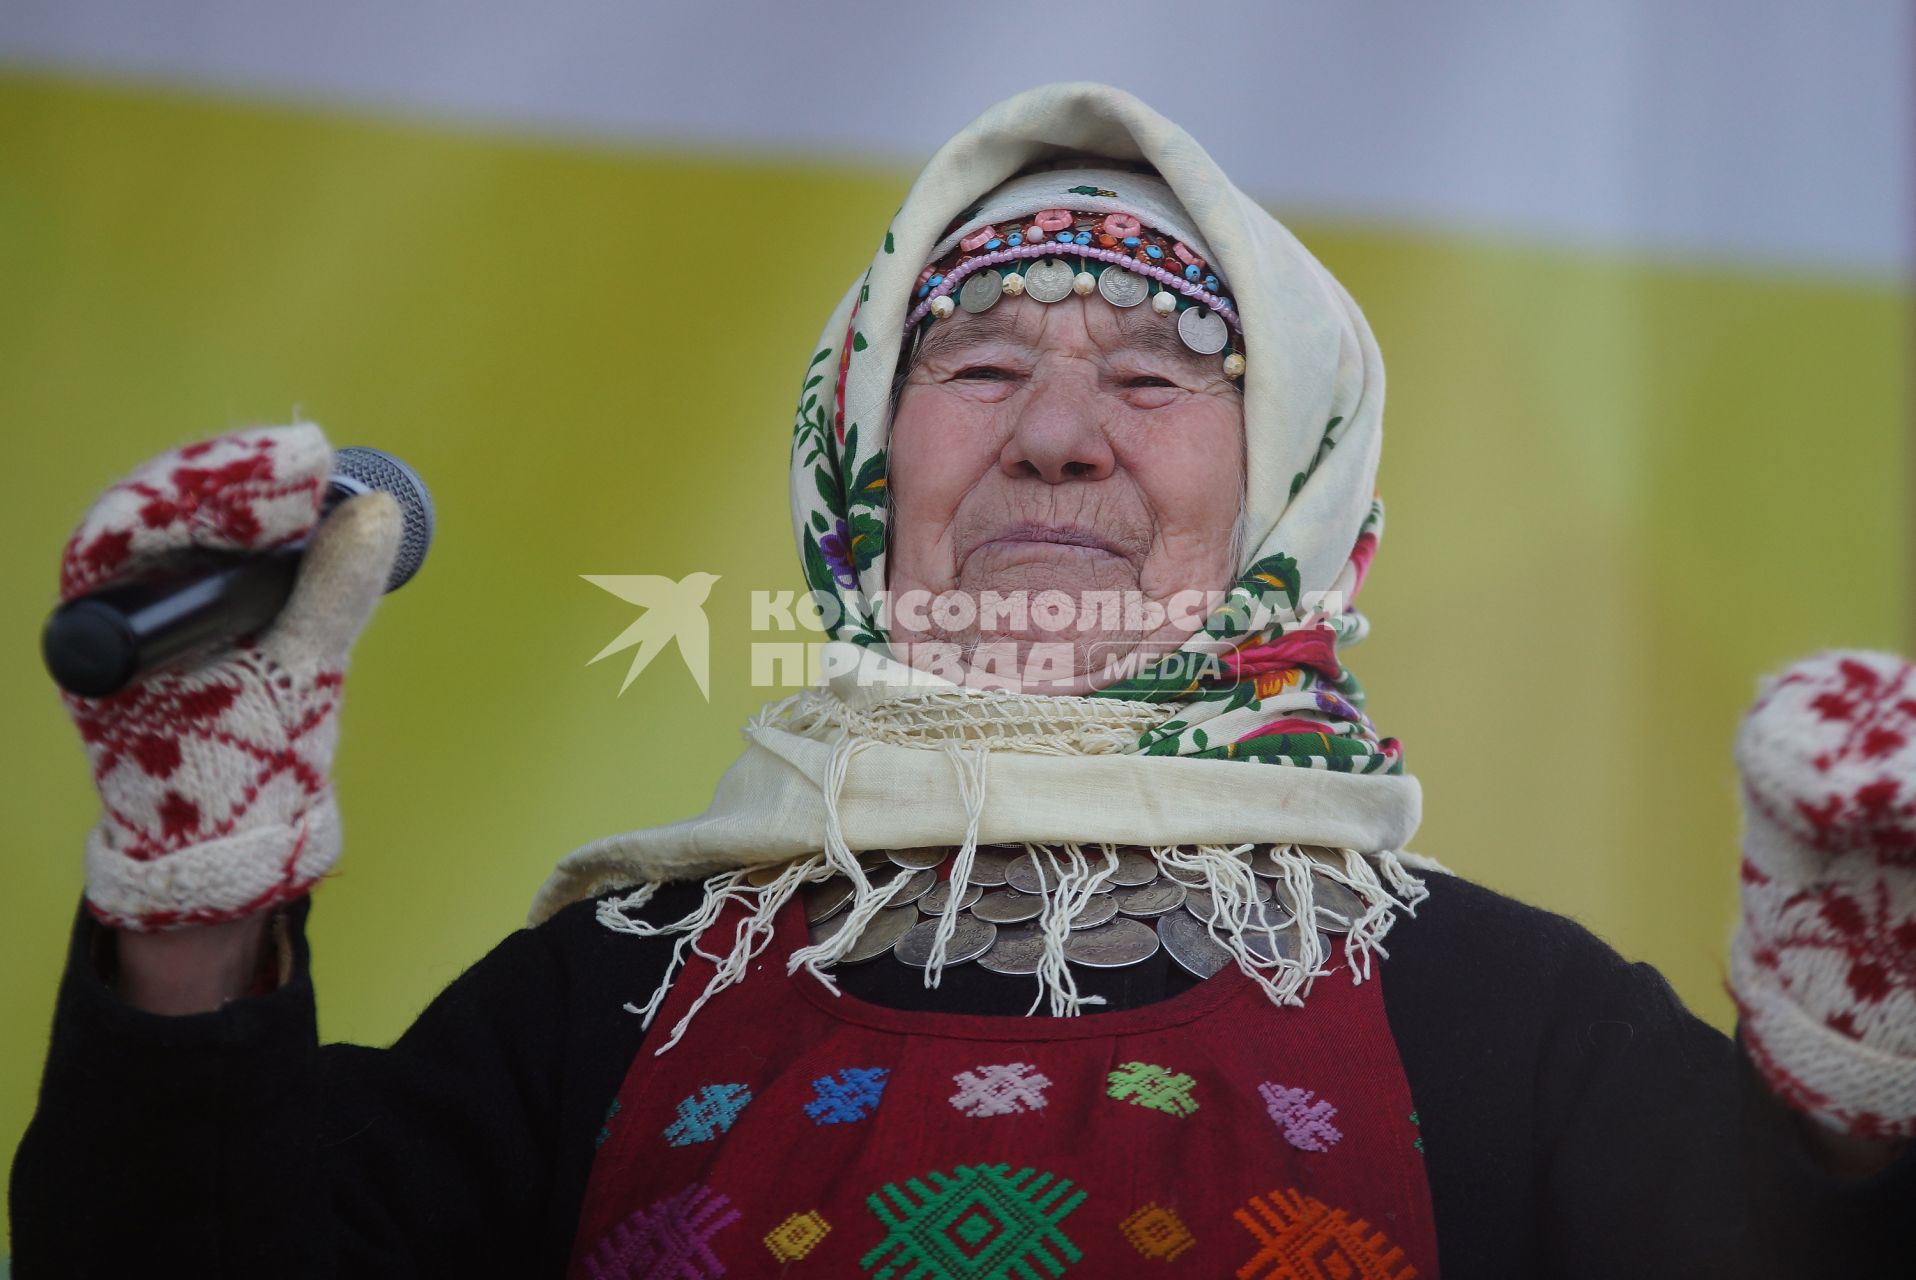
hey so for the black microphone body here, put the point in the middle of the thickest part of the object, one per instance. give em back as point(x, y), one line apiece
point(96, 644)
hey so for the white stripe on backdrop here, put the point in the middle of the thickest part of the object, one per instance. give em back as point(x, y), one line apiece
point(1769, 130)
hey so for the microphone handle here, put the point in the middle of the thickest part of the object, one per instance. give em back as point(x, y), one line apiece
point(96, 644)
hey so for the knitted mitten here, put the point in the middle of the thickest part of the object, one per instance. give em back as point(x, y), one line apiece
point(214, 772)
point(1824, 963)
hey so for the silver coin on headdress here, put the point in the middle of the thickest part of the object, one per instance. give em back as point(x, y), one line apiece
point(1190, 944)
point(1283, 944)
point(886, 928)
point(1049, 280)
point(1122, 288)
point(970, 939)
point(1202, 903)
point(1016, 950)
point(1203, 330)
point(1112, 946)
point(980, 290)
point(918, 859)
point(936, 898)
point(1008, 906)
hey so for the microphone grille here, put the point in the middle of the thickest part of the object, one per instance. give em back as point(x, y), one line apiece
point(361, 469)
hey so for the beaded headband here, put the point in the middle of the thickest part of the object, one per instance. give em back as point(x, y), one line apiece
point(1062, 252)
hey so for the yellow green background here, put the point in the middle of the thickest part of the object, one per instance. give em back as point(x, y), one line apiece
point(1619, 489)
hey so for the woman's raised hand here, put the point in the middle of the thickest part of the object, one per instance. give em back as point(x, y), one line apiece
point(1824, 964)
point(215, 773)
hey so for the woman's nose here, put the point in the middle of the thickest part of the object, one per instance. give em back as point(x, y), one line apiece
point(1058, 435)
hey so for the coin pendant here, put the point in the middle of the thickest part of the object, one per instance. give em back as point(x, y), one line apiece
point(1191, 945)
point(826, 899)
point(933, 903)
point(1101, 908)
point(980, 290)
point(759, 877)
point(1050, 280)
point(1203, 330)
point(915, 886)
point(1008, 906)
point(989, 862)
point(971, 939)
point(1149, 900)
point(886, 928)
point(1282, 944)
point(1017, 950)
point(918, 859)
point(1122, 288)
point(1032, 873)
point(1112, 946)
point(1135, 866)
point(1201, 902)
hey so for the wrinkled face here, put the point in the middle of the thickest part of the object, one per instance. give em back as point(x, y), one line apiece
point(1072, 456)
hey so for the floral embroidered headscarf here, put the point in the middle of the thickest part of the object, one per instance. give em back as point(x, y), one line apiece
point(1277, 691)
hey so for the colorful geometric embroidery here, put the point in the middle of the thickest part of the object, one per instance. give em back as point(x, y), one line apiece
point(669, 1241)
point(605, 1130)
point(1001, 1089)
point(797, 1236)
point(1148, 1085)
point(973, 1223)
point(707, 1114)
point(1306, 1239)
point(1306, 1124)
point(1157, 1232)
point(850, 1095)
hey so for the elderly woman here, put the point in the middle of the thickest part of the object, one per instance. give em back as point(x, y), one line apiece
point(1047, 935)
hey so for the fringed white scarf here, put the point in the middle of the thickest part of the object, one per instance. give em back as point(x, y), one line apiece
point(885, 756)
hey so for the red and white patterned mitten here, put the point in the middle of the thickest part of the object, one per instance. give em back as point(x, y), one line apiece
point(215, 775)
point(1824, 964)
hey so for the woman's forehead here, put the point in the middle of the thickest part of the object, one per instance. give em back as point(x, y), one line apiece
point(1020, 321)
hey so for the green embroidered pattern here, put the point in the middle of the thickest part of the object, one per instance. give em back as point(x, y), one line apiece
point(974, 1223)
point(1146, 1084)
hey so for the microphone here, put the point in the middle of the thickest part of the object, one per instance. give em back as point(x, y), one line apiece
point(96, 644)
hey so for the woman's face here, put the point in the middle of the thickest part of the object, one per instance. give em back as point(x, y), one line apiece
point(1067, 476)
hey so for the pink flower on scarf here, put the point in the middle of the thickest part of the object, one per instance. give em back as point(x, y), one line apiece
point(1313, 647)
point(1360, 560)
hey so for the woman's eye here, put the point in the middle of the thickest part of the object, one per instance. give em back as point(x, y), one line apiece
point(985, 371)
point(1149, 380)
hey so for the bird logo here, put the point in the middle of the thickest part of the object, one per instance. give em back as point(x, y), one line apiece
point(673, 611)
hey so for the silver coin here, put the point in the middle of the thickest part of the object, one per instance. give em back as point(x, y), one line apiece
point(989, 862)
point(885, 928)
point(1016, 950)
point(1032, 873)
point(1263, 862)
point(1147, 900)
point(826, 898)
point(1200, 902)
point(919, 859)
point(1112, 946)
point(1190, 944)
point(933, 903)
point(971, 939)
point(1101, 908)
point(1008, 906)
point(1122, 288)
point(1337, 903)
point(915, 886)
point(1135, 866)
point(980, 290)
point(1050, 280)
point(875, 860)
point(1184, 875)
point(1203, 330)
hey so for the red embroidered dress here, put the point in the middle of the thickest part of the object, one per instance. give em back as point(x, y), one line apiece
point(795, 1133)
